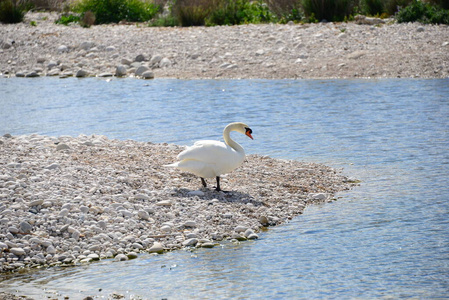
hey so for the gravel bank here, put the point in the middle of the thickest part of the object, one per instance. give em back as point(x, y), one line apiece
point(325, 50)
point(68, 200)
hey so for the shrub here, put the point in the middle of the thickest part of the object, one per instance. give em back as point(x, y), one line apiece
point(12, 11)
point(114, 11)
point(234, 12)
point(330, 10)
point(441, 3)
point(191, 12)
point(391, 7)
point(372, 7)
point(286, 10)
point(422, 12)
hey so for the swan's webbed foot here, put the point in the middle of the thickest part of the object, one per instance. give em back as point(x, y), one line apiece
point(203, 182)
point(218, 189)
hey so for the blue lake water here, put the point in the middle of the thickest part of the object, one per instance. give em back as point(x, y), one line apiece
point(387, 238)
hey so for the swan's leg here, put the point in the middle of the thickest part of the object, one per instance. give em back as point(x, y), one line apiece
point(218, 184)
point(203, 182)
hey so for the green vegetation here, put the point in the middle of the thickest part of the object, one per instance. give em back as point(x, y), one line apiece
point(226, 12)
point(114, 11)
point(424, 13)
point(66, 19)
point(12, 11)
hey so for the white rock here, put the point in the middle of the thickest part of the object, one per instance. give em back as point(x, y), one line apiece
point(36, 202)
point(165, 63)
point(156, 248)
point(121, 257)
point(190, 224)
point(93, 256)
point(164, 203)
point(240, 228)
point(190, 242)
point(63, 49)
point(51, 249)
point(143, 215)
point(64, 212)
point(17, 251)
point(155, 59)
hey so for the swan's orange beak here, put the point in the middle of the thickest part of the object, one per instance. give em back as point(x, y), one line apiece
point(248, 133)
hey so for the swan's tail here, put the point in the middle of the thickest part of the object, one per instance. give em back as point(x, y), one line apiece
point(173, 165)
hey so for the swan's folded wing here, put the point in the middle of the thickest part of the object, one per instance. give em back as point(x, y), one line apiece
point(207, 151)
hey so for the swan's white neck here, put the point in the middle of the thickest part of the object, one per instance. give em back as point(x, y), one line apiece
point(227, 138)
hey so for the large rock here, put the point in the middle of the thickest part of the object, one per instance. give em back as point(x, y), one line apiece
point(120, 71)
point(140, 70)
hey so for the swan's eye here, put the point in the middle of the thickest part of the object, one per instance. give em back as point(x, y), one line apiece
point(248, 130)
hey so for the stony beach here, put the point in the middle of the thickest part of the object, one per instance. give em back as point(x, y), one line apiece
point(368, 48)
point(73, 200)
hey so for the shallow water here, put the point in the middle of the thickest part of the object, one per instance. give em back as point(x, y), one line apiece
point(387, 238)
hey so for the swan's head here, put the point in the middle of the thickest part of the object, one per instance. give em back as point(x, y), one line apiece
point(242, 128)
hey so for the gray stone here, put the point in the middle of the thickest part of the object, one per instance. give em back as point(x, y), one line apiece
point(62, 147)
point(195, 193)
point(155, 59)
point(120, 71)
point(87, 45)
point(52, 166)
point(140, 70)
point(148, 75)
point(32, 74)
point(139, 58)
point(51, 64)
point(126, 61)
point(264, 221)
point(25, 227)
point(81, 73)
point(143, 215)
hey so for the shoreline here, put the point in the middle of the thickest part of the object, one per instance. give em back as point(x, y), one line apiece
point(74, 200)
point(264, 51)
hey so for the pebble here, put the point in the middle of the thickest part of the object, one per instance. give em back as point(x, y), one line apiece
point(103, 204)
point(17, 251)
point(221, 52)
point(62, 147)
point(156, 248)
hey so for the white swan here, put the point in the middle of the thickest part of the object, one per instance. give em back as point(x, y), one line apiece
point(208, 159)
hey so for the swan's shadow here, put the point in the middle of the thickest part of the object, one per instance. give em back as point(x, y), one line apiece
point(211, 194)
